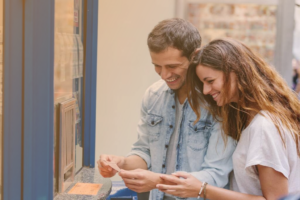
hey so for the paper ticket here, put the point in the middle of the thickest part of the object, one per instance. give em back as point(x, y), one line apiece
point(113, 165)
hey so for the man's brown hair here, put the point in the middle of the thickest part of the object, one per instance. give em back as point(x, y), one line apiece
point(176, 33)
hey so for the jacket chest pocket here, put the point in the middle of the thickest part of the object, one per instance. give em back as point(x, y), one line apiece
point(197, 136)
point(154, 123)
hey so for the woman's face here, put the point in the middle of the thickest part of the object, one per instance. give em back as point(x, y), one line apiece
point(213, 83)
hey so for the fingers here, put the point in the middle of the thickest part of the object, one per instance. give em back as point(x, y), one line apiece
point(172, 179)
point(134, 174)
point(169, 189)
point(107, 173)
point(104, 169)
point(102, 161)
point(139, 180)
point(136, 188)
point(131, 181)
point(182, 174)
point(137, 185)
point(102, 165)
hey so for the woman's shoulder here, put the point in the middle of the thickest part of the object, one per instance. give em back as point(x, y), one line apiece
point(261, 121)
point(265, 126)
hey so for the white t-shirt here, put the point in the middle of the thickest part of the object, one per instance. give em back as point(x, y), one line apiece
point(261, 144)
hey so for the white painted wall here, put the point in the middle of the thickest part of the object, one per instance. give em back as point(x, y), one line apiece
point(124, 69)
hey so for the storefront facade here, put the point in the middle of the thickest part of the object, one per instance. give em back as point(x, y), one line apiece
point(49, 57)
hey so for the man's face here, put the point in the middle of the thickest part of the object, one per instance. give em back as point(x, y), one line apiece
point(171, 66)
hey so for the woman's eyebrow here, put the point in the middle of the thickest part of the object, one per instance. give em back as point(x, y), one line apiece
point(206, 78)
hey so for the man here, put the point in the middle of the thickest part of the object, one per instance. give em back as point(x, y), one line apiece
point(168, 138)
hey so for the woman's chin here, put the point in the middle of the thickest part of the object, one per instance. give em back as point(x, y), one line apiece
point(220, 103)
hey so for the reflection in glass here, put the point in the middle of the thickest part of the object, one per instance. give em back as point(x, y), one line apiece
point(1, 90)
point(68, 72)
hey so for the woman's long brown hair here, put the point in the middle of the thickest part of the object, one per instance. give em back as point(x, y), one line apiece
point(258, 84)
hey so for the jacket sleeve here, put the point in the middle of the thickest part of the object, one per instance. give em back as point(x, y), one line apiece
point(141, 146)
point(218, 160)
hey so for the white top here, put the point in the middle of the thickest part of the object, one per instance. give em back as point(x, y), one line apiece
point(261, 144)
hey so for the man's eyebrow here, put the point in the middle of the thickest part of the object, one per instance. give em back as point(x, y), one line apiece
point(171, 64)
point(155, 64)
point(174, 64)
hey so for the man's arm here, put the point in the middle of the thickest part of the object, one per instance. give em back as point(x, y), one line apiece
point(140, 180)
point(141, 147)
point(134, 162)
point(218, 160)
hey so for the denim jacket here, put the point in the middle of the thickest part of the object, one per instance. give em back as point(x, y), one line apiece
point(200, 151)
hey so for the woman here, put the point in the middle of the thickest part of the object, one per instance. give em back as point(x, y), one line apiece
point(258, 110)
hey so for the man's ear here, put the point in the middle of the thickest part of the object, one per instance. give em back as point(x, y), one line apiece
point(194, 53)
point(197, 50)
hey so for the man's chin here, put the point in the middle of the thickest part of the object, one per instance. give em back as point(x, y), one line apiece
point(175, 87)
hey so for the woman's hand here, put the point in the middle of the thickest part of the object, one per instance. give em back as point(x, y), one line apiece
point(185, 185)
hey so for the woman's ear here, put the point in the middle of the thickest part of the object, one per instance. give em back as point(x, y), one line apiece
point(194, 54)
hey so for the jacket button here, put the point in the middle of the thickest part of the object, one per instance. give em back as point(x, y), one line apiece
point(178, 145)
point(152, 122)
point(166, 146)
point(173, 107)
point(163, 166)
point(171, 126)
point(196, 129)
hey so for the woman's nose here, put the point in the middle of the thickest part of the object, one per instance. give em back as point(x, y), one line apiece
point(206, 89)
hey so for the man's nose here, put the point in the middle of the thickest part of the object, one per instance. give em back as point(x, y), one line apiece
point(165, 74)
point(206, 89)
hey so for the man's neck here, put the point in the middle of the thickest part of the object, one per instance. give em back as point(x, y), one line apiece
point(181, 94)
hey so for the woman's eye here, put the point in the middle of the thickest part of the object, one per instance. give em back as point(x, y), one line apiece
point(210, 81)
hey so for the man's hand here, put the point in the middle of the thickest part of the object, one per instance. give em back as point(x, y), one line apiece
point(104, 169)
point(140, 180)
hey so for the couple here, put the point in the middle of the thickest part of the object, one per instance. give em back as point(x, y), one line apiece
point(217, 108)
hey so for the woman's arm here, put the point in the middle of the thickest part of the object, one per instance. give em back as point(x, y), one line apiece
point(273, 183)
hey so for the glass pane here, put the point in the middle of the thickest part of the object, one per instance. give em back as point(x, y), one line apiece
point(1, 90)
point(68, 72)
